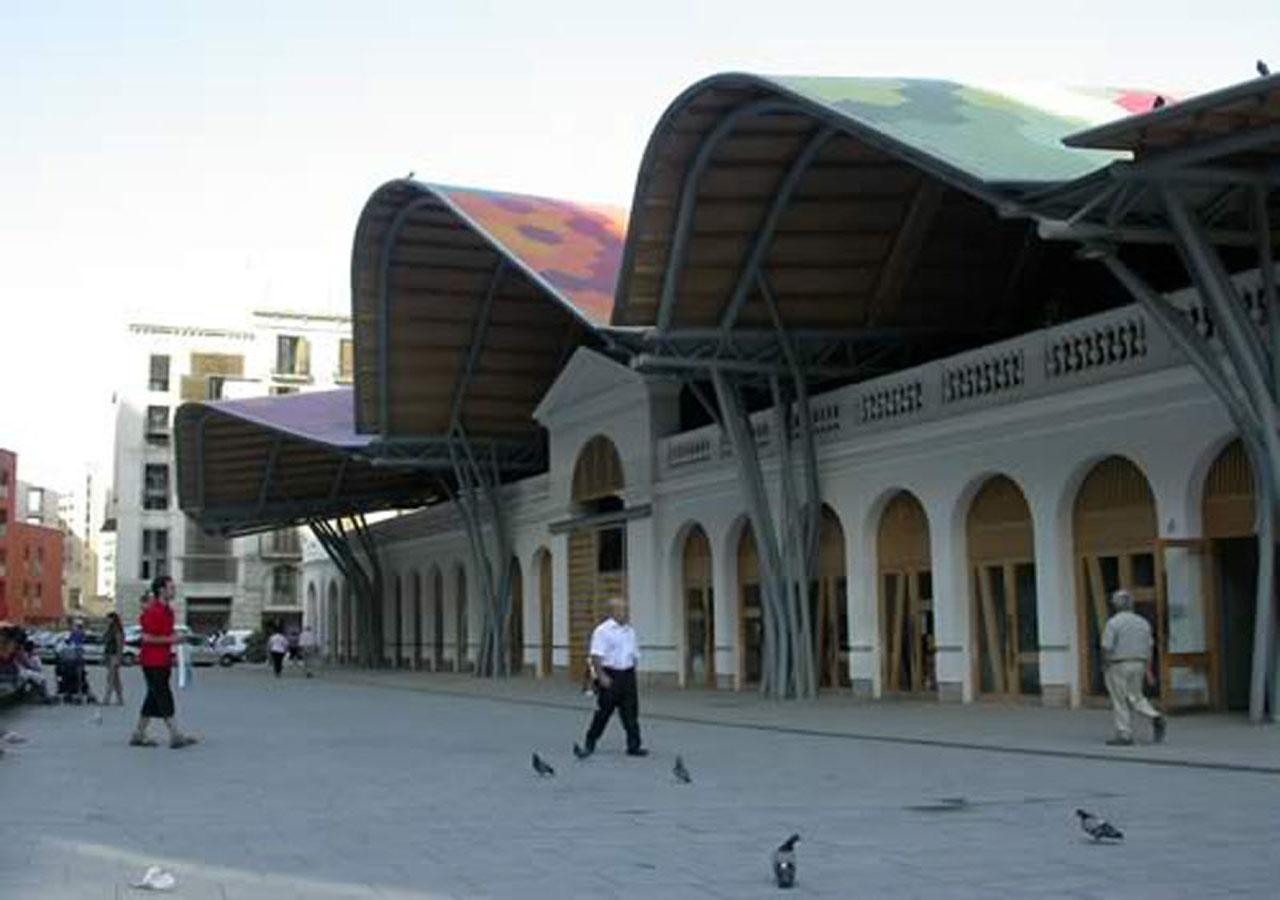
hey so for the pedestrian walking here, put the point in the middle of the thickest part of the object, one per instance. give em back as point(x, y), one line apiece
point(112, 657)
point(308, 647)
point(1126, 653)
point(278, 647)
point(156, 658)
point(614, 654)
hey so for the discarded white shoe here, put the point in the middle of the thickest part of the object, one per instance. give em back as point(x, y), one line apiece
point(156, 879)
point(12, 737)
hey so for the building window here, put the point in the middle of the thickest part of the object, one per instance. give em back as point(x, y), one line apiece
point(155, 553)
point(284, 586)
point(279, 390)
point(158, 424)
point(346, 359)
point(293, 356)
point(155, 492)
point(611, 550)
point(215, 387)
point(159, 372)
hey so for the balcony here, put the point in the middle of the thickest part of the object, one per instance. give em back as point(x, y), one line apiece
point(215, 569)
point(283, 545)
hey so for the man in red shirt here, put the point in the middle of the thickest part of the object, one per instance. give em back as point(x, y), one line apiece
point(156, 658)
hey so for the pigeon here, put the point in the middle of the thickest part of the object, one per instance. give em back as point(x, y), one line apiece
point(1097, 828)
point(1263, 69)
point(579, 752)
point(681, 773)
point(541, 766)
point(784, 862)
point(1158, 102)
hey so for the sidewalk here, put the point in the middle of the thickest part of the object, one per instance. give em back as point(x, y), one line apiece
point(1197, 740)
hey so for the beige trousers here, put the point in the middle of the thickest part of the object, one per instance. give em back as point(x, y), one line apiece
point(1124, 684)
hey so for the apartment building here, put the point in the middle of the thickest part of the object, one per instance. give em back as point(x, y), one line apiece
point(30, 550)
point(222, 583)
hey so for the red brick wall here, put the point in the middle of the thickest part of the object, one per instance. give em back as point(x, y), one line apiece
point(35, 574)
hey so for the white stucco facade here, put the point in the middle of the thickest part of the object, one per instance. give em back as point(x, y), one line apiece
point(1042, 409)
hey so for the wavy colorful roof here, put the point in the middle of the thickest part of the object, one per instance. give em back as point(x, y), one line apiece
point(464, 302)
point(998, 135)
point(575, 249)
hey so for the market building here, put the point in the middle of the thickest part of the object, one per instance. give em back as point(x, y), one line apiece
point(847, 352)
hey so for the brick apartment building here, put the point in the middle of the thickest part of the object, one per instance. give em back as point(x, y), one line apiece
point(30, 558)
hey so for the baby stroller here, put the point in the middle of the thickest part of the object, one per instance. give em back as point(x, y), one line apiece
point(73, 680)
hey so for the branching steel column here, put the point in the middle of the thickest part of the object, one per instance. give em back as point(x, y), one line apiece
point(475, 490)
point(772, 589)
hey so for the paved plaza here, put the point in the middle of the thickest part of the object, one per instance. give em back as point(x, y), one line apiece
point(405, 785)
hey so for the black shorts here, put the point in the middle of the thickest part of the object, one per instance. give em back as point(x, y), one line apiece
point(159, 701)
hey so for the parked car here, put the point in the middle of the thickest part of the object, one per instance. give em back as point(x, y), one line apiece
point(202, 650)
point(232, 647)
point(133, 642)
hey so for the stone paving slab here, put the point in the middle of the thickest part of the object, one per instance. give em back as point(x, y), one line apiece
point(1196, 739)
point(374, 787)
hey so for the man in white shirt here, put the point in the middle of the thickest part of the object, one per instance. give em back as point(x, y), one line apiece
point(614, 654)
point(1126, 653)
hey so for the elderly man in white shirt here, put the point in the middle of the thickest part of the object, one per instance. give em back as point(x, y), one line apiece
point(614, 654)
point(1126, 652)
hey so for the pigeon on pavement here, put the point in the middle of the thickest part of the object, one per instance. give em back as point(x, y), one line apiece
point(541, 766)
point(681, 773)
point(1098, 828)
point(784, 862)
point(1263, 69)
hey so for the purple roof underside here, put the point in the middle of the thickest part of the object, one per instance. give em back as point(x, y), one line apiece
point(323, 417)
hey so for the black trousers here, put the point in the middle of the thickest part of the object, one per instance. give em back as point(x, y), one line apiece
point(159, 700)
point(622, 696)
point(277, 662)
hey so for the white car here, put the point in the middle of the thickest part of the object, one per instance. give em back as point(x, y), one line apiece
point(232, 647)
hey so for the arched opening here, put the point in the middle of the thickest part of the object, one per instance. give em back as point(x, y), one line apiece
point(1002, 565)
point(597, 553)
point(417, 620)
point(515, 621)
point(461, 622)
point(438, 662)
point(750, 616)
point(349, 623)
point(906, 597)
point(829, 604)
point(312, 617)
point(1115, 535)
point(1230, 527)
point(699, 611)
point(399, 626)
point(546, 614)
point(332, 637)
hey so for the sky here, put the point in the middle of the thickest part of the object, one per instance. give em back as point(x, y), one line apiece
point(190, 161)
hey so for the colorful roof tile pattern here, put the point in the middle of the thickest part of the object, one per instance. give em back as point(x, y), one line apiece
point(996, 135)
point(574, 249)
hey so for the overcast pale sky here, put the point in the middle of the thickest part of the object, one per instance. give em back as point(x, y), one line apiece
point(191, 160)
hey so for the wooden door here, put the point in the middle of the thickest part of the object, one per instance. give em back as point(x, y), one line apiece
point(906, 597)
point(515, 622)
point(597, 572)
point(1186, 608)
point(438, 663)
point(750, 613)
point(699, 611)
point(547, 614)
